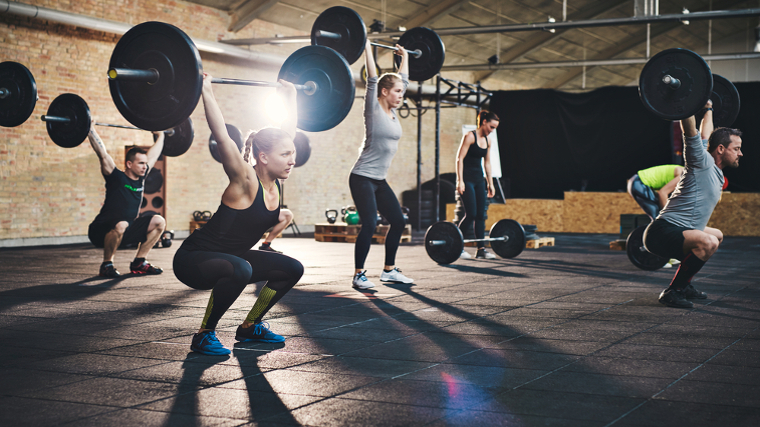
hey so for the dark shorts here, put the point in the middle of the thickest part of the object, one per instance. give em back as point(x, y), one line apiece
point(137, 232)
point(665, 239)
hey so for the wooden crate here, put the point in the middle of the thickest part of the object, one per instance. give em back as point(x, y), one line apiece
point(194, 225)
point(342, 232)
point(538, 243)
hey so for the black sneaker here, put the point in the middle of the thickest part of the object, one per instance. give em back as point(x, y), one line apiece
point(145, 268)
point(690, 293)
point(269, 248)
point(108, 270)
point(674, 298)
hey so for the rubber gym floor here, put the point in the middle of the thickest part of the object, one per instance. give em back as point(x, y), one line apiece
point(570, 335)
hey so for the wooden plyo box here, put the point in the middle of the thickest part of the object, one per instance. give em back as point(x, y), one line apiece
point(342, 232)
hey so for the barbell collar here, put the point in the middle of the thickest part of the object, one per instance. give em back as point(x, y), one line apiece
point(416, 53)
point(55, 119)
point(671, 81)
point(4, 92)
point(127, 74)
point(327, 35)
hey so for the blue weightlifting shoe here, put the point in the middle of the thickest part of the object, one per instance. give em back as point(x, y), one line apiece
point(208, 343)
point(258, 332)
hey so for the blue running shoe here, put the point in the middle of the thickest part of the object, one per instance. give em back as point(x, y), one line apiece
point(258, 332)
point(208, 343)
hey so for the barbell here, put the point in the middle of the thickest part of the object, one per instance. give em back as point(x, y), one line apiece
point(444, 242)
point(18, 94)
point(155, 78)
point(677, 83)
point(639, 255)
point(68, 123)
point(343, 30)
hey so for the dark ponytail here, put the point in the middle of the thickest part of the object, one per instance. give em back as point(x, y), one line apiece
point(486, 116)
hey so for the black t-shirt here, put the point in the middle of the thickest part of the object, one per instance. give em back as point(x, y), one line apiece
point(123, 198)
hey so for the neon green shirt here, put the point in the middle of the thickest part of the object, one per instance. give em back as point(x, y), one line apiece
point(657, 176)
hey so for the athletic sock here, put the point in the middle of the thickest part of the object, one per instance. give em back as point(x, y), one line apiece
point(387, 271)
point(268, 297)
point(137, 262)
point(688, 268)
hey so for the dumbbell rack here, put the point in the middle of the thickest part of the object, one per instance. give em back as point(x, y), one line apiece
point(342, 232)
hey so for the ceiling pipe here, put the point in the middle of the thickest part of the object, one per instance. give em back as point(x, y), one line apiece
point(539, 26)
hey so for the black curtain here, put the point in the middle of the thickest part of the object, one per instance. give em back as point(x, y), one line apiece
point(746, 178)
point(551, 142)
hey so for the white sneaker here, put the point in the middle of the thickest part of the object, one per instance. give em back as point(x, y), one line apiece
point(361, 282)
point(484, 254)
point(667, 265)
point(395, 276)
point(674, 261)
point(465, 255)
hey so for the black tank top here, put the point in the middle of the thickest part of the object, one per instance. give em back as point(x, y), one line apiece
point(234, 231)
point(473, 169)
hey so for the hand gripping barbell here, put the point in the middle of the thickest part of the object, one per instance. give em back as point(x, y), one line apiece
point(444, 241)
point(343, 30)
point(156, 79)
point(18, 94)
point(68, 123)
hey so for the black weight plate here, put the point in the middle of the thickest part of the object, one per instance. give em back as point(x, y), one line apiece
point(511, 247)
point(73, 133)
point(639, 255)
point(726, 102)
point(171, 100)
point(346, 22)
point(448, 232)
point(236, 136)
point(178, 143)
point(303, 148)
point(153, 181)
point(675, 104)
point(19, 103)
point(332, 101)
point(433, 53)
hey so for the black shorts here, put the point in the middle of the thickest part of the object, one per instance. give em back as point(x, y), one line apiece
point(137, 232)
point(665, 239)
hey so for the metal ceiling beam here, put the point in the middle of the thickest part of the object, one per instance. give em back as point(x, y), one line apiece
point(541, 26)
point(639, 37)
point(247, 12)
point(539, 40)
point(590, 63)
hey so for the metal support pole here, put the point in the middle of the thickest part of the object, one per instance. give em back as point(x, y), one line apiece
point(437, 147)
point(419, 156)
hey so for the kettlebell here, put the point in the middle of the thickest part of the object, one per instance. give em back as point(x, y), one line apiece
point(331, 215)
point(350, 216)
point(166, 238)
point(405, 212)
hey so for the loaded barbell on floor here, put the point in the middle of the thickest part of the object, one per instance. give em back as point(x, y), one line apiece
point(68, 123)
point(444, 242)
point(18, 94)
point(156, 79)
point(343, 30)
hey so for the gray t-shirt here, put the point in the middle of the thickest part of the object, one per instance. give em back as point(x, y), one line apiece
point(381, 135)
point(698, 191)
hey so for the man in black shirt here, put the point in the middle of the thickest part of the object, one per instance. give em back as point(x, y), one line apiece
point(117, 221)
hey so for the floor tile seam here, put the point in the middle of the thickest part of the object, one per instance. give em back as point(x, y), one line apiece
point(675, 382)
point(340, 396)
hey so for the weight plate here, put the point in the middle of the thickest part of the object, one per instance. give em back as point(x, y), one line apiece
point(303, 148)
point(74, 132)
point(675, 104)
point(168, 102)
point(178, 143)
point(511, 247)
point(433, 53)
point(448, 252)
point(726, 103)
point(346, 22)
point(236, 136)
point(18, 104)
point(154, 181)
point(332, 100)
point(639, 255)
point(364, 72)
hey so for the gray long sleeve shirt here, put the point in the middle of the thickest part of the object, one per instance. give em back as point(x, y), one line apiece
point(381, 135)
point(698, 191)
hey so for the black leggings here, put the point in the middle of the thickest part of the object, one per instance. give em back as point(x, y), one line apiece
point(474, 202)
point(228, 275)
point(370, 196)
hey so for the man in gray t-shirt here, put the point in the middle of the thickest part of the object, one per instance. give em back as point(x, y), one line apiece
point(680, 230)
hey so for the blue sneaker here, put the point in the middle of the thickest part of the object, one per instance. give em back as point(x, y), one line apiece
point(208, 343)
point(258, 332)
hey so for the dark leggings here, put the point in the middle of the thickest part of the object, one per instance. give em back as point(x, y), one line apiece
point(474, 202)
point(370, 196)
point(228, 275)
point(644, 196)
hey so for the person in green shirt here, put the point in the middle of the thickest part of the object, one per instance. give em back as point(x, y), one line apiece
point(651, 187)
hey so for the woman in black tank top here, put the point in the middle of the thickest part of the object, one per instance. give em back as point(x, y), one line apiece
point(472, 188)
point(219, 256)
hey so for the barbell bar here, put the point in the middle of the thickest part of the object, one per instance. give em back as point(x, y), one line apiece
point(488, 239)
point(156, 79)
point(335, 36)
point(57, 119)
point(18, 94)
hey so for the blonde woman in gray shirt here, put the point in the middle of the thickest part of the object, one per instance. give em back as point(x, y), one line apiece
point(369, 189)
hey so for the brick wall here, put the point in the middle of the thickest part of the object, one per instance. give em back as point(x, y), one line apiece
point(48, 191)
